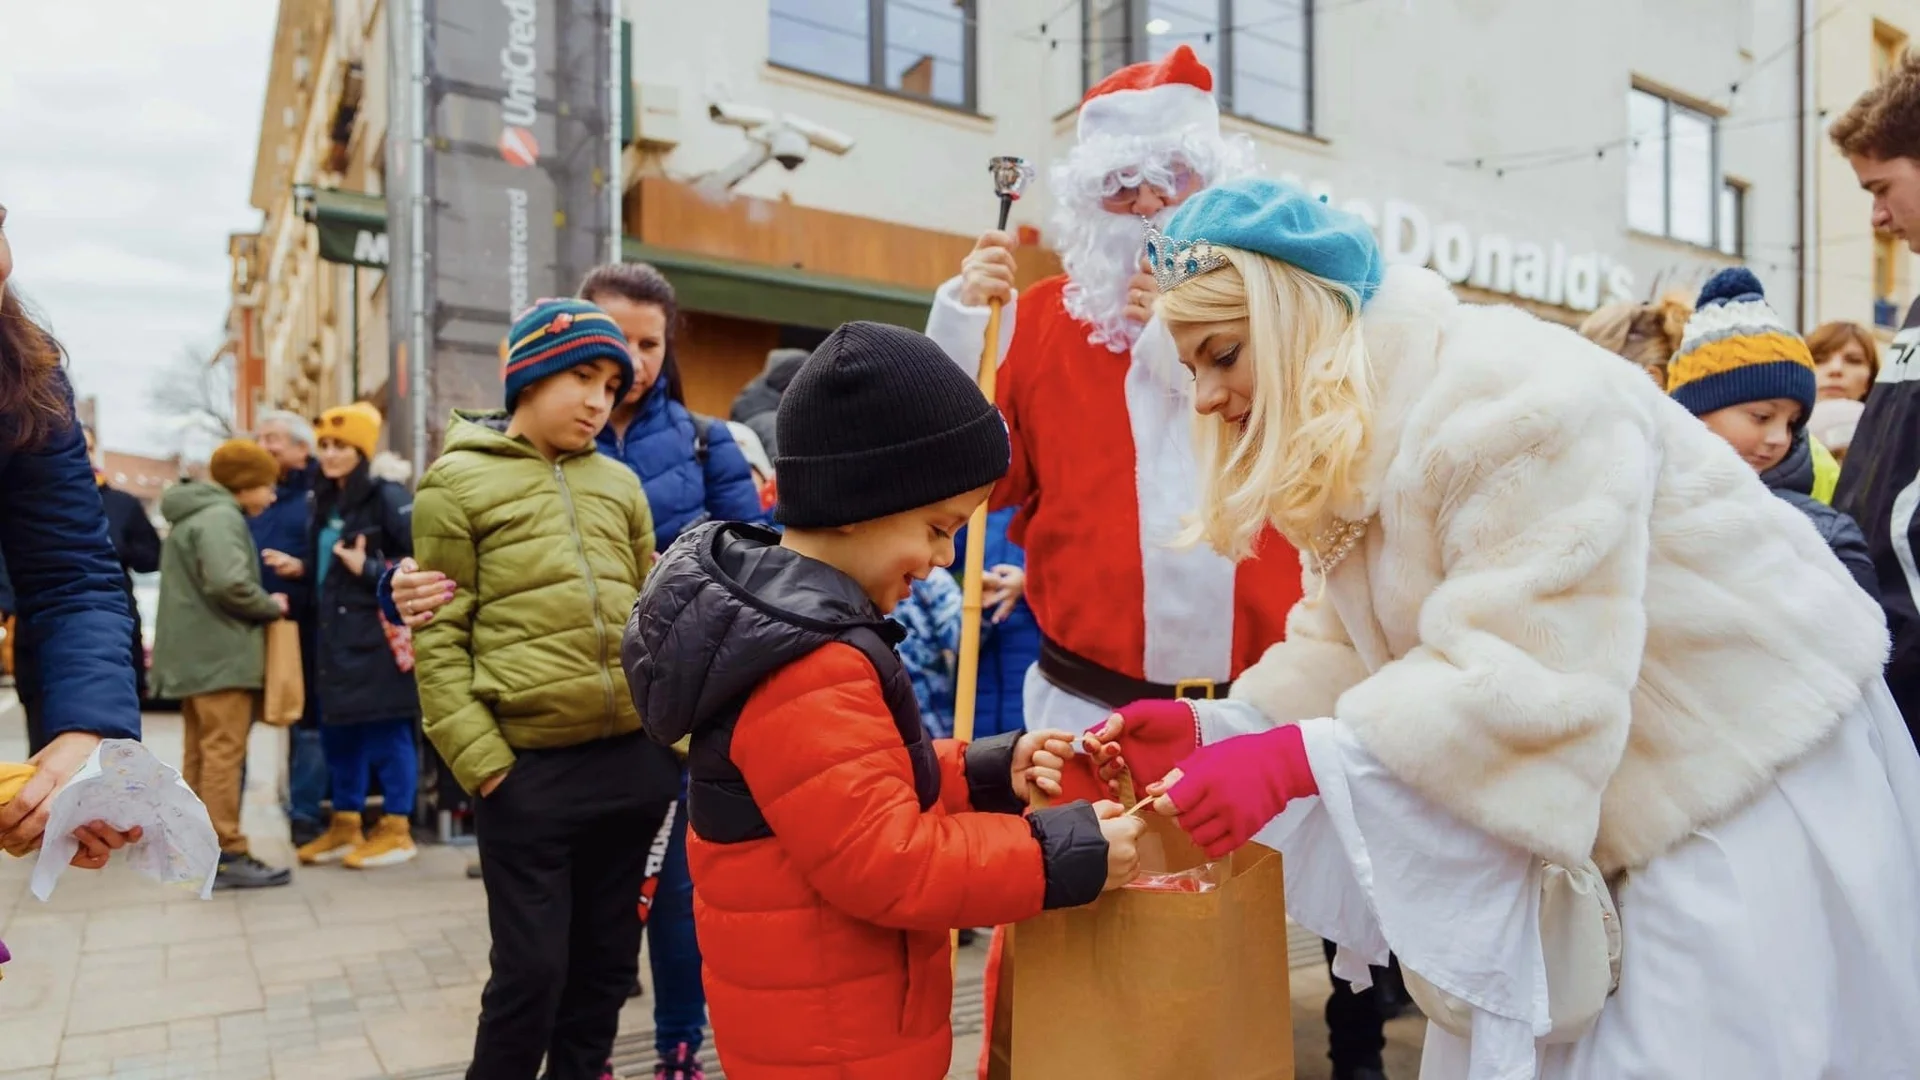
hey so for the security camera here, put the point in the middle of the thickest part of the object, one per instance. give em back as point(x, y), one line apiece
point(786, 139)
point(739, 115)
point(833, 142)
point(788, 146)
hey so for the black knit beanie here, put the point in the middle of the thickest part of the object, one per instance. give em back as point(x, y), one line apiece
point(878, 421)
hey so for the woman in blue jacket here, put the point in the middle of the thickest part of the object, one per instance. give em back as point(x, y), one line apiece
point(689, 465)
point(692, 471)
point(66, 579)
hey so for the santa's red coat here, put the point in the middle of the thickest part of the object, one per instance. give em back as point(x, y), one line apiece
point(1074, 408)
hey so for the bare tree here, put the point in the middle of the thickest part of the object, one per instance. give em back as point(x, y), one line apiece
point(197, 392)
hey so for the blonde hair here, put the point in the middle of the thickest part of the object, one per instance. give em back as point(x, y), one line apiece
point(1647, 334)
point(1312, 403)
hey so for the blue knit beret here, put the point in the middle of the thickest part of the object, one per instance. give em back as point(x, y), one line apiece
point(554, 335)
point(1281, 221)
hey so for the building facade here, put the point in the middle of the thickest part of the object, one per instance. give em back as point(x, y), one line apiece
point(1653, 143)
point(1859, 275)
point(307, 321)
point(1556, 156)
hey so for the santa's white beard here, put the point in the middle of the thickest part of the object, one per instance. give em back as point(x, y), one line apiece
point(1101, 252)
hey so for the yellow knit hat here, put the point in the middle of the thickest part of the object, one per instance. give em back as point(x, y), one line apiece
point(12, 778)
point(240, 465)
point(357, 425)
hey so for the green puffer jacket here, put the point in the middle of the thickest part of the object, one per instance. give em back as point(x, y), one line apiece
point(548, 557)
point(213, 612)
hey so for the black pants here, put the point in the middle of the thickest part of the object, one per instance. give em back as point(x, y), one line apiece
point(1356, 1022)
point(563, 850)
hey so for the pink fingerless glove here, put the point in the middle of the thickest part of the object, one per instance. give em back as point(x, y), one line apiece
point(1154, 737)
point(1230, 790)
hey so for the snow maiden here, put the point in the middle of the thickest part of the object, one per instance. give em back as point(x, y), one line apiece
point(1554, 631)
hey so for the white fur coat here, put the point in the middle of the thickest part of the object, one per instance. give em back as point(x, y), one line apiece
point(1602, 631)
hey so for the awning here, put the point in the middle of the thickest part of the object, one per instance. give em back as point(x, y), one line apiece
point(353, 227)
point(778, 294)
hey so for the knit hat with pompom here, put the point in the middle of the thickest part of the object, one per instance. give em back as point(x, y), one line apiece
point(1737, 350)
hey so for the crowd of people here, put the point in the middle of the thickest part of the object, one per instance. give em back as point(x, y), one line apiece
point(1448, 605)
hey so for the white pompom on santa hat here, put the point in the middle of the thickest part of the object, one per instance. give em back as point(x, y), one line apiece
point(1165, 96)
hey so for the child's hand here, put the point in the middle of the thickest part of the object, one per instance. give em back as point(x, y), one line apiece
point(1005, 584)
point(1037, 760)
point(1123, 835)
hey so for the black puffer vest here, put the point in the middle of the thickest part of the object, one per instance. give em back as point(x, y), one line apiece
point(726, 608)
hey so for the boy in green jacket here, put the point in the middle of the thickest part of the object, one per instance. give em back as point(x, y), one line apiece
point(546, 542)
point(210, 644)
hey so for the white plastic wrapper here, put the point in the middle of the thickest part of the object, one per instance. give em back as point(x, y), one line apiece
point(124, 785)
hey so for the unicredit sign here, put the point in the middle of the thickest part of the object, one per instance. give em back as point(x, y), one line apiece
point(1491, 261)
point(519, 61)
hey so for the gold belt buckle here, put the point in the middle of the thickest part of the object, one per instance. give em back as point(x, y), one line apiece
point(1205, 686)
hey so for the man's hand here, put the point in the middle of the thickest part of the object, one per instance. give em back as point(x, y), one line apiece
point(353, 558)
point(492, 783)
point(23, 822)
point(280, 598)
point(1004, 586)
point(1142, 291)
point(418, 593)
point(986, 274)
point(1037, 760)
point(283, 564)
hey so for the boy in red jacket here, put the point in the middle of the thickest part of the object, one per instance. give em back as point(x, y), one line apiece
point(834, 844)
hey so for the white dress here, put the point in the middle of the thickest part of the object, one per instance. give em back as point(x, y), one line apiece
point(1782, 943)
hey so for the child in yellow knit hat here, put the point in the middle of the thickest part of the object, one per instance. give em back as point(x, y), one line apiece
point(1751, 380)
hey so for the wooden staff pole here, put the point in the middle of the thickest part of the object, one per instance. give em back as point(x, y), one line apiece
point(1010, 176)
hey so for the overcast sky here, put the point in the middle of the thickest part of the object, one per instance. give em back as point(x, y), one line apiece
point(127, 136)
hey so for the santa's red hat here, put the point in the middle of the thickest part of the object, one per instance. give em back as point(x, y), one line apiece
point(1159, 97)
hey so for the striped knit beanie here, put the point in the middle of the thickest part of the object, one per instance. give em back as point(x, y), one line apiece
point(1737, 350)
point(554, 335)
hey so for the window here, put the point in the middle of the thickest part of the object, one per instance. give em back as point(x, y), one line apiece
point(917, 48)
point(1733, 218)
point(1673, 184)
point(1261, 51)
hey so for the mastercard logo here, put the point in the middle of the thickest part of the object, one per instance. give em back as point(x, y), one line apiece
point(519, 147)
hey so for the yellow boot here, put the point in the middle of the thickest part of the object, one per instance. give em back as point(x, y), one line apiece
point(389, 844)
point(342, 836)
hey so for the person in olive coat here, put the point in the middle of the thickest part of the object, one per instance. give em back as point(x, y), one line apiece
point(369, 709)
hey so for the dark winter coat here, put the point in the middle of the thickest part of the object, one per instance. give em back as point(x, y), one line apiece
point(684, 485)
point(833, 844)
point(1876, 490)
point(759, 401)
point(1792, 480)
point(283, 527)
point(357, 680)
point(68, 584)
point(213, 613)
point(1007, 649)
point(137, 546)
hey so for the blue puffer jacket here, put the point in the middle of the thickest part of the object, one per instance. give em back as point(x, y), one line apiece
point(68, 583)
point(1007, 649)
point(681, 490)
point(283, 527)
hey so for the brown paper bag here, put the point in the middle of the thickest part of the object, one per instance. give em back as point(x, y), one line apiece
point(1152, 984)
point(286, 696)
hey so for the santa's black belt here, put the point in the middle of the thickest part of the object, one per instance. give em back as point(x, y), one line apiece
point(1083, 678)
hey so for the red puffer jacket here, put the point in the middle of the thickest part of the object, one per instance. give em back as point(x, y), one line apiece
point(833, 845)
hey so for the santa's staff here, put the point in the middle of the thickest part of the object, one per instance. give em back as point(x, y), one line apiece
point(1010, 177)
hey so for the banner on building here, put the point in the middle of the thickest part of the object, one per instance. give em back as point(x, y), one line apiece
point(352, 228)
point(499, 168)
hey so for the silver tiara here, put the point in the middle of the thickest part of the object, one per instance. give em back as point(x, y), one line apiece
point(1174, 263)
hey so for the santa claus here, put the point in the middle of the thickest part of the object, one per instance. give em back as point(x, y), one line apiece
point(1100, 410)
